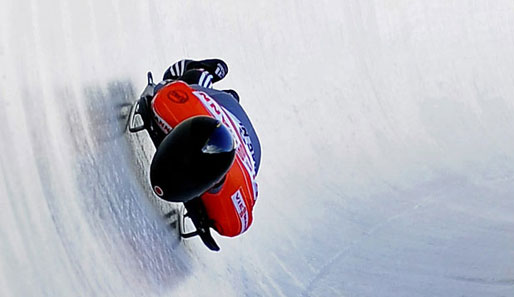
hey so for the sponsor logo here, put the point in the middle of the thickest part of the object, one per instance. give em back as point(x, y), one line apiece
point(178, 96)
point(245, 151)
point(158, 191)
point(242, 211)
point(162, 124)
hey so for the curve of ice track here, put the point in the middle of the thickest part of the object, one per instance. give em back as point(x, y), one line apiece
point(387, 133)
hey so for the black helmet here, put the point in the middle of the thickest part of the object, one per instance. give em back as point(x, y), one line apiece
point(191, 159)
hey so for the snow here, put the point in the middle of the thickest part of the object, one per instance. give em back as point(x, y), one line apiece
point(387, 138)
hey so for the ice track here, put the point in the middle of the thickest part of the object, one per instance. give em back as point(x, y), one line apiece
point(387, 134)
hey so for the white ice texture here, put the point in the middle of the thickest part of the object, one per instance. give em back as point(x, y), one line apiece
point(386, 127)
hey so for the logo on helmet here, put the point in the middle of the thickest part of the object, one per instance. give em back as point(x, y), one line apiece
point(158, 191)
point(178, 96)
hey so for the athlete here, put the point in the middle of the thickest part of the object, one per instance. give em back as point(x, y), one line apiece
point(208, 153)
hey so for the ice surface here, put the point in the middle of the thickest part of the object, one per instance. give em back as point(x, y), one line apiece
point(387, 134)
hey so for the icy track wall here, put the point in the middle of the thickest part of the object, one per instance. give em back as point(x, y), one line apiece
point(387, 133)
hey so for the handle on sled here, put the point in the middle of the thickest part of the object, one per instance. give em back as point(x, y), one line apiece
point(147, 94)
point(149, 77)
point(132, 119)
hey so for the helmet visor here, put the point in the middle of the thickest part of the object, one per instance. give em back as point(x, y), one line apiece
point(220, 141)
